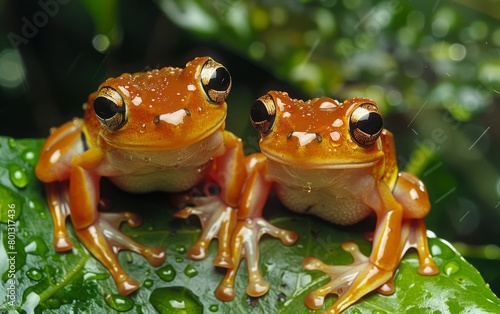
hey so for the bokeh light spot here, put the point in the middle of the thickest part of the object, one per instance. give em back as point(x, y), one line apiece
point(11, 69)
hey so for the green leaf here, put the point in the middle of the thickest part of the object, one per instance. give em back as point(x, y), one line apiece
point(76, 282)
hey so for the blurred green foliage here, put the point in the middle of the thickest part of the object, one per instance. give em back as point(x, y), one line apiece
point(434, 69)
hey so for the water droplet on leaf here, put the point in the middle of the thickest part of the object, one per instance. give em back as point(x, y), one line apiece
point(12, 142)
point(190, 271)
point(175, 300)
point(119, 302)
point(451, 268)
point(34, 274)
point(167, 273)
point(213, 308)
point(18, 176)
point(181, 249)
point(29, 157)
point(148, 283)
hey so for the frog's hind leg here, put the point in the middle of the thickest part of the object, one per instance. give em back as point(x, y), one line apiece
point(57, 197)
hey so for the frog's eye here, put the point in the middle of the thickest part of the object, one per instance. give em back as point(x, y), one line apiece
point(110, 108)
point(366, 124)
point(216, 81)
point(263, 114)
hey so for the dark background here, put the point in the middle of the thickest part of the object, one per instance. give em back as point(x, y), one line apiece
point(433, 68)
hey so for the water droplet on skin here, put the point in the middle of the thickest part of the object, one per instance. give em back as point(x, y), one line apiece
point(167, 273)
point(190, 271)
point(34, 274)
point(451, 268)
point(213, 308)
point(128, 157)
point(18, 176)
point(175, 300)
point(148, 283)
point(142, 129)
point(306, 189)
point(147, 159)
point(181, 249)
point(119, 302)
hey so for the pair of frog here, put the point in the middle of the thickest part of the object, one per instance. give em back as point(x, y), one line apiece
point(164, 130)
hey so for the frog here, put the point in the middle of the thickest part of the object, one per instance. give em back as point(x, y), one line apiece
point(335, 161)
point(157, 130)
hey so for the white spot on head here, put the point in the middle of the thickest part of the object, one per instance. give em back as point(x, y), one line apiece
point(281, 106)
point(137, 100)
point(335, 136)
point(175, 117)
point(191, 87)
point(304, 137)
point(124, 91)
point(338, 123)
point(329, 105)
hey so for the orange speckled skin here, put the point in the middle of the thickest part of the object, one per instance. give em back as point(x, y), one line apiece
point(159, 92)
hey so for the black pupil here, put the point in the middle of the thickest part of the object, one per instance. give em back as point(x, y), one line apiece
point(105, 108)
point(259, 113)
point(220, 80)
point(370, 123)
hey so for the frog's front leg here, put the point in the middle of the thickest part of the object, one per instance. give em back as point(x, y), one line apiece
point(351, 282)
point(99, 232)
point(250, 227)
point(217, 213)
point(397, 230)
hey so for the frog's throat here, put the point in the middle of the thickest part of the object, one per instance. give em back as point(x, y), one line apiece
point(106, 143)
point(301, 163)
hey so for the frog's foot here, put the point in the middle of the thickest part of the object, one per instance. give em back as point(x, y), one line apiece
point(414, 235)
point(217, 221)
point(349, 282)
point(245, 244)
point(104, 240)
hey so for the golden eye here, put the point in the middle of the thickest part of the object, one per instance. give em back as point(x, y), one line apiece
point(366, 124)
point(263, 114)
point(110, 108)
point(216, 81)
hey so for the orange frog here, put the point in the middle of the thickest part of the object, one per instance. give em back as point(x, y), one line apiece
point(161, 130)
point(335, 161)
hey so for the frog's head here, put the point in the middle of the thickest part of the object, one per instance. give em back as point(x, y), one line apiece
point(319, 133)
point(168, 108)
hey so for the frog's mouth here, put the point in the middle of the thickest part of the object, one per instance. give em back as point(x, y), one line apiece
point(311, 164)
point(143, 161)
